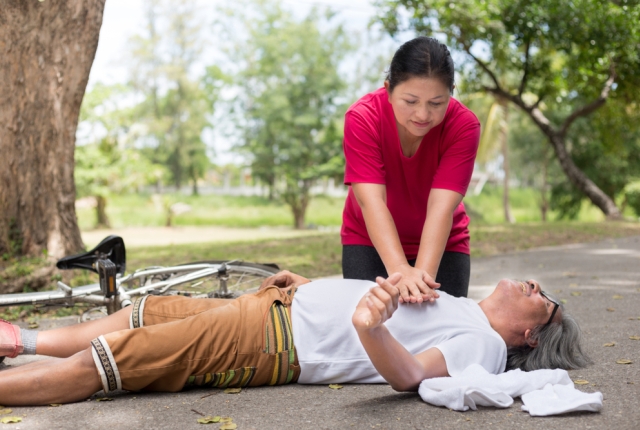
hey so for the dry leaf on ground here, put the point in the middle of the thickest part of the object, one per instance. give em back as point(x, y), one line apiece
point(232, 390)
point(335, 386)
point(5, 411)
point(611, 310)
point(209, 420)
point(229, 426)
point(576, 293)
point(563, 301)
point(104, 399)
point(624, 361)
point(634, 337)
point(617, 296)
point(609, 344)
point(7, 420)
point(33, 325)
point(55, 405)
point(580, 381)
point(226, 419)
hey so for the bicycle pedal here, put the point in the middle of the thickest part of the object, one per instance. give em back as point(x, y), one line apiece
point(107, 271)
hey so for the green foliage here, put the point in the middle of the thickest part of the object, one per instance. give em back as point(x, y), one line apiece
point(566, 48)
point(632, 195)
point(558, 61)
point(607, 149)
point(486, 208)
point(291, 88)
point(175, 107)
point(161, 113)
point(103, 169)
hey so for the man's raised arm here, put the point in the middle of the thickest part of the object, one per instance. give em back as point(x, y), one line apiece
point(396, 365)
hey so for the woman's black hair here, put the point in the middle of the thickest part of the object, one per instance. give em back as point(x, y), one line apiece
point(422, 57)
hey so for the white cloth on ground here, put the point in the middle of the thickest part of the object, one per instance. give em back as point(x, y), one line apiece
point(544, 392)
point(560, 399)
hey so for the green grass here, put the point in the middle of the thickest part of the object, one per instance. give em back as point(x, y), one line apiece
point(141, 210)
point(524, 204)
point(311, 256)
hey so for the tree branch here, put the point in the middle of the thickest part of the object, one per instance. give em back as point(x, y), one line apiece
point(593, 106)
point(537, 103)
point(536, 114)
point(525, 75)
point(484, 67)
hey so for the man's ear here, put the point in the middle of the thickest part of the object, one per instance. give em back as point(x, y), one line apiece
point(529, 340)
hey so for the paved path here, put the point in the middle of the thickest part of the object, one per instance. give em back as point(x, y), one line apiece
point(591, 278)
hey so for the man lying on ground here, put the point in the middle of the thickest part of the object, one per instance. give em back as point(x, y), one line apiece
point(292, 330)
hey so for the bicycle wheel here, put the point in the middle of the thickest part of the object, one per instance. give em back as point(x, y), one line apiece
point(216, 278)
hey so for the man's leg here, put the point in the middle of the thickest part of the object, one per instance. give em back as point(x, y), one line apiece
point(67, 341)
point(50, 381)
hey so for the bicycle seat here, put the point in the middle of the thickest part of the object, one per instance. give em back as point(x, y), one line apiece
point(111, 248)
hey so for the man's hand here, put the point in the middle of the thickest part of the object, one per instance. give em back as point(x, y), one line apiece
point(378, 304)
point(284, 279)
point(416, 285)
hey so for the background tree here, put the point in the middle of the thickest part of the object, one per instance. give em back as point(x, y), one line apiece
point(290, 99)
point(108, 162)
point(573, 56)
point(176, 105)
point(494, 140)
point(47, 51)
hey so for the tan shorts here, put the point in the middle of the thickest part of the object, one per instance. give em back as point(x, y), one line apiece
point(176, 342)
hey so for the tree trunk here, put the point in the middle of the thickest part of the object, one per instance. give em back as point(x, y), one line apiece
point(298, 217)
point(582, 182)
point(575, 175)
point(102, 220)
point(544, 201)
point(194, 183)
point(504, 143)
point(298, 200)
point(47, 49)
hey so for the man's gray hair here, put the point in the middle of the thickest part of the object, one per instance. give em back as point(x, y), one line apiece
point(559, 347)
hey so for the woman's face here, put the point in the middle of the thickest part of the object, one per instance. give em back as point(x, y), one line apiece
point(419, 104)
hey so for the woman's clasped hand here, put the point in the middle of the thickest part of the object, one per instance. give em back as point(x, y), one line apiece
point(415, 285)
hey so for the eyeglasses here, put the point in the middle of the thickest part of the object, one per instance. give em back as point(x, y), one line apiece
point(556, 305)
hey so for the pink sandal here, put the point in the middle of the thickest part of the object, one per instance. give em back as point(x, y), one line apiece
point(10, 340)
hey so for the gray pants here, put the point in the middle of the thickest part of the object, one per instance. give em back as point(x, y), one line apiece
point(364, 262)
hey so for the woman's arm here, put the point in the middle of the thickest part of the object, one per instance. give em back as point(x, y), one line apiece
point(416, 284)
point(437, 228)
point(396, 365)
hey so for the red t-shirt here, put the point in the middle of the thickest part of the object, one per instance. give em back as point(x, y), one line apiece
point(373, 154)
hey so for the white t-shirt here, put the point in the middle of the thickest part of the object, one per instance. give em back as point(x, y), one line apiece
point(329, 350)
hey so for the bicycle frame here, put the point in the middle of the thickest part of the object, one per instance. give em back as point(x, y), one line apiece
point(89, 294)
point(115, 290)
